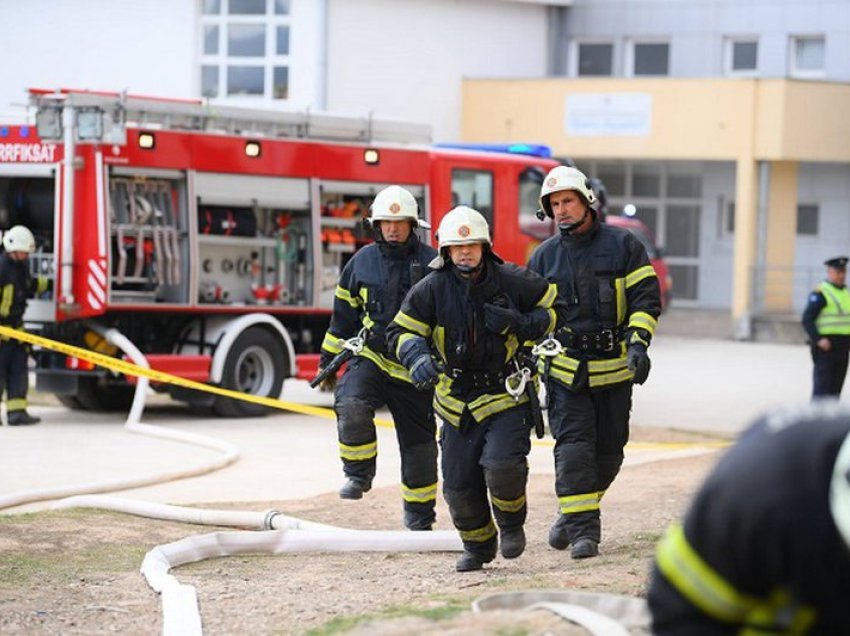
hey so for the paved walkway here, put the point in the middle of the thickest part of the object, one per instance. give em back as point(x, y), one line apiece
point(707, 385)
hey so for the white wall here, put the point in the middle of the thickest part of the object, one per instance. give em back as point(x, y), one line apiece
point(406, 59)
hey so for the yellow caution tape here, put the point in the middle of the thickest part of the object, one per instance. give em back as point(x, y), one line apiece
point(128, 368)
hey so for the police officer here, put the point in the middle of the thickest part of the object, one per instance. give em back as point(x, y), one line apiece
point(613, 302)
point(826, 320)
point(369, 293)
point(460, 329)
point(765, 546)
point(16, 285)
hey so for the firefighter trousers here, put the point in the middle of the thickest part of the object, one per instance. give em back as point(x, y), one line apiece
point(481, 457)
point(14, 374)
point(363, 389)
point(591, 429)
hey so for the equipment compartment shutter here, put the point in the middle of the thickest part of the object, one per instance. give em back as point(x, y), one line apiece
point(238, 190)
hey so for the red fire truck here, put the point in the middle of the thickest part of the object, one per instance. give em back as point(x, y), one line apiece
point(213, 237)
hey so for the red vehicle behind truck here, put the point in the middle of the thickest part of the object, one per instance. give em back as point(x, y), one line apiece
point(213, 238)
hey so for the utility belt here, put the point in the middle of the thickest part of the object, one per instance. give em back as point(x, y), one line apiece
point(603, 341)
point(476, 380)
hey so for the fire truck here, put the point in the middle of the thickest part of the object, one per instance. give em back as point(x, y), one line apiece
point(213, 237)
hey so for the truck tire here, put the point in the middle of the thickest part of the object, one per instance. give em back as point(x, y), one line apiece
point(92, 396)
point(255, 364)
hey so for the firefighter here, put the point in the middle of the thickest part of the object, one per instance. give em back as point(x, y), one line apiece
point(459, 330)
point(765, 546)
point(613, 302)
point(16, 285)
point(826, 320)
point(369, 293)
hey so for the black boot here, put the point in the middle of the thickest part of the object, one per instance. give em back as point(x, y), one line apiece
point(353, 489)
point(558, 537)
point(584, 548)
point(22, 418)
point(468, 562)
point(417, 521)
point(512, 542)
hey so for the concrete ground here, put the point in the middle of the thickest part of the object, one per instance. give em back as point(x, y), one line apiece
point(695, 384)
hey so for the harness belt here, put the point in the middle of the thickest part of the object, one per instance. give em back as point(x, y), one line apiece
point(593, 341)
point(469, 380)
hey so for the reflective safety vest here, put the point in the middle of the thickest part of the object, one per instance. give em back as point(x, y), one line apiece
point(834, 318)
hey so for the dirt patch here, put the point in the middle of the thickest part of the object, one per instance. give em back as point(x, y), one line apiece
point(77, 572)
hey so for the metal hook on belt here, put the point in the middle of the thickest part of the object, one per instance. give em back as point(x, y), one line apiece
point(355, 344)
point(550, 347)
point(516, 381)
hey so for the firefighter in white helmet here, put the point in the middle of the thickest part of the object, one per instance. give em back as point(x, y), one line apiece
point(765, 546)
point(16, 286)
point(459, 329)
point(368, 295)
point(613, 301)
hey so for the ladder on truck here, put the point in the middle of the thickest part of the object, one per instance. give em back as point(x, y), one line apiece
point(119, 110)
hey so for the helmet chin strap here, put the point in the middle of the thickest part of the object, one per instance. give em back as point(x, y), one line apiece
point(568, 228)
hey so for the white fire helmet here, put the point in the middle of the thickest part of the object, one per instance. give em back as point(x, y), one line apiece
point(394, 203)
point(461, 226)
point(18, 239)
point(564, 178)
point(839, 492)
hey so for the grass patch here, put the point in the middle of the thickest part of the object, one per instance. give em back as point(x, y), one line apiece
point(59, 566)
point(447, 610)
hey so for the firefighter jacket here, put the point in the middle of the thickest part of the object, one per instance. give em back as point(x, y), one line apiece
point(369, 293)
point(759, 552)
point(16, 286)
point(827, 312)
point(447, 310)
point(612, 300)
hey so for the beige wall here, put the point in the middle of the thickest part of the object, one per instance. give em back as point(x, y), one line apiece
point(781, 237)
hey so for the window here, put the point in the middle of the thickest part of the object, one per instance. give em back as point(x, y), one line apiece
point(741, 56)
point(245, 48)
point(530, 181)
point(595, 59)
point(650, 58)
point(474, 188)
point(807, 219)
point(807, 56)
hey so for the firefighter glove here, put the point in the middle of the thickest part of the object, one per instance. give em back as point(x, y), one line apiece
point(501, 320)
point(638, 361)
point(424, 372)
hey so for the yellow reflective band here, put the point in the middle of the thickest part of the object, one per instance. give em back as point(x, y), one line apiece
point(502, 403)
point(448, 416)
point(345, 296)
point(633, 278)
point(509, 505)
point(411, 324)
point(564, 377)
point(610, 378)
point(439, 339)
point(511, 345)
point(358, 453)
point(571, 504)
point(620, 291)
point(443, 393)
point(697, 581)
point(332, 344)
point(635, 337)
point(780, 614)
point(419, 495)
point(393, 369)
point(479, 535)
point(16, 404)
point(367, 321)
point(41, 285)
point(602, 366)
point(6, 301)
point(549, 297)
point(644, 321)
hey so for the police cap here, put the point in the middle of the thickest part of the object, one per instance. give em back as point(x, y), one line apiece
point(839, 262)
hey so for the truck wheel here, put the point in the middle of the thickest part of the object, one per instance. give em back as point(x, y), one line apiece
point(255, 364)
point(92, 396)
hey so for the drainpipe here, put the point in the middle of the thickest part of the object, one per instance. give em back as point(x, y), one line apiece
point(67, 266)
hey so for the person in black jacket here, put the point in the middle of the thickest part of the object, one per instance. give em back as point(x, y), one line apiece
point(826, 320)
point(368, 295)
point(16, 286)
point(765, 546)
point(613, 301)
point(460, 329)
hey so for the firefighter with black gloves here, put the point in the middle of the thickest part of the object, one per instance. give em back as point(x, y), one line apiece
point(765, 546)
point(369, 293)
point(613, 302)
point(459, 329)
point(826, 320)
point(16, 286)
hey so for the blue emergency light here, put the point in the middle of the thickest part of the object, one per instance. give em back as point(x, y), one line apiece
point(533, 150)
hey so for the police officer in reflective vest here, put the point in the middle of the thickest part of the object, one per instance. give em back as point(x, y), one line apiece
point(460, 329)
point(765, 546)
point(826, 320)
point(16, 286)
point(613, 302)
point(369, 293)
